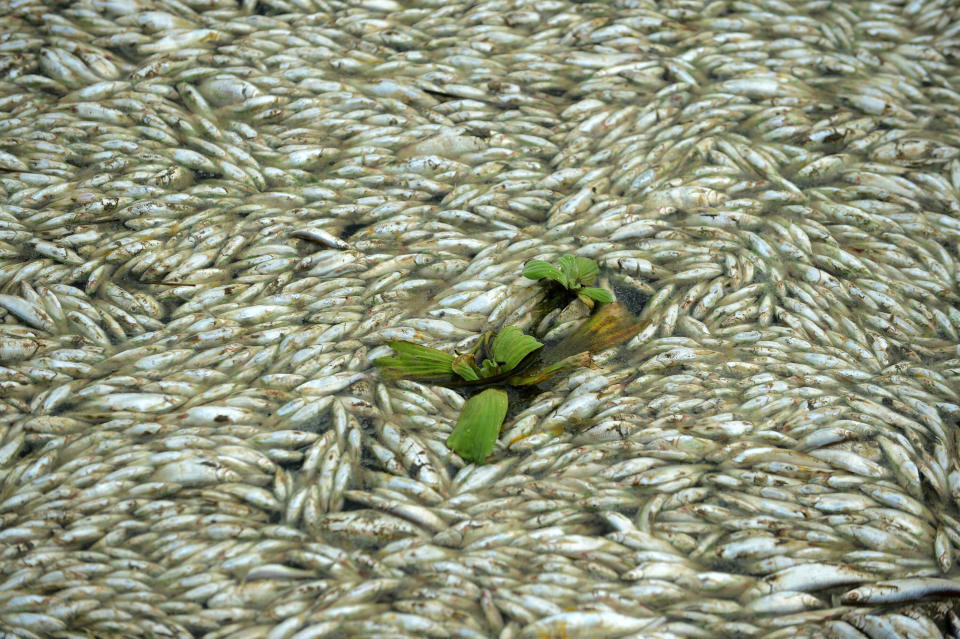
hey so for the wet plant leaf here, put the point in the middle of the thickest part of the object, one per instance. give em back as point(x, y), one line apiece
point(511, 345)
point(538, 269)
point(493, 377)
point(570, 269)
point(587, 271)
point(414, 360)
point(489, 368)
point(573, 273)
point(479, 424)
point(542, 374)
point(608, 327)
point(601, 295)
point(466, 367)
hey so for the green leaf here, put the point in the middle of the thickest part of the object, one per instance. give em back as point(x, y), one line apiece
point(489, 368)
point(538, 269)
point(601, 295)
point(568, 266)
point(587, 271)
point(479, 424)
point(511, 345)
point(465, 367)
point(393, 368)
point(405, 348)
point(414, 360)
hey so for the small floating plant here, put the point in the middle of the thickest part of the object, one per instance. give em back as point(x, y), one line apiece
point(574, 274)
point(511, 358)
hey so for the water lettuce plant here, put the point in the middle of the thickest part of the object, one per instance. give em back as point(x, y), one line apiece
point(510, 358)
point(575, 274)
point(492, 360)
point(499, 355)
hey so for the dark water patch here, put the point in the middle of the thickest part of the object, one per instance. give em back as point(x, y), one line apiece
point(349, 230)
point(635, 300)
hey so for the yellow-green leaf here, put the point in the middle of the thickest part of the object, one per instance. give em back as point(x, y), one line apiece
point(466, 367)
point(538, 269)
point(609, 326)
point(414, 360)
point(489, 368)
point(587, 271)
point(479, 424)
point(420, 352)
point(511, 345)
point(601, 295)
point(568, 266)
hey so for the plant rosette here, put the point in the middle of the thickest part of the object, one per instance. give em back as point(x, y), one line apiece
point(509, 358)
point(493, 358)
point(575, 274)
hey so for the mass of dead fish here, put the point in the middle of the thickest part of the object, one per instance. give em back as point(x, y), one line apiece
point(214, 214)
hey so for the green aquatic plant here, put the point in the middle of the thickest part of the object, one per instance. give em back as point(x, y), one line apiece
point(509, 358)
point(492, 359)
point(574, 274)
point(498, 355)
point(478, 426)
